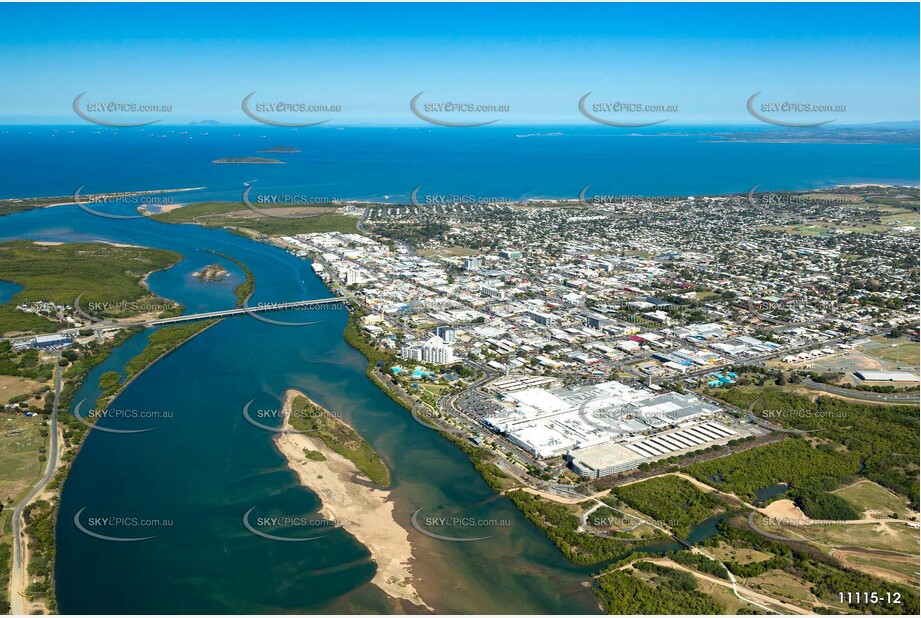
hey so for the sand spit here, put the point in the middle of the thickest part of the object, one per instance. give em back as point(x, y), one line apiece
point(364, 511)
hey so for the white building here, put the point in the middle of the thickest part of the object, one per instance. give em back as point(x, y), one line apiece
point(492, 292)
point(541, 318)
point(433, 351)
point(549, 423)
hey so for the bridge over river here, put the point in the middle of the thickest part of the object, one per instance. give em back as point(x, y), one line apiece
point(101, 325)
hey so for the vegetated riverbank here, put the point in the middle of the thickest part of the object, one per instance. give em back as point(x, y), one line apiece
point(481, 458)
point(41, 516)
point(561, 523)
point(327, 460)
point(114, 276)
point(111, 277)
point(309, 417)
point(159, 344)
point(242, 291)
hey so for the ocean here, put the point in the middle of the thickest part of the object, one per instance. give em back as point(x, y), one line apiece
point(386, 164)
point(204, 466)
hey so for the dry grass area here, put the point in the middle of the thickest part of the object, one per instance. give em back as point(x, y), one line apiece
point(784, 586)
point(14, 386)
point(882, 536)
point(727, 553)
point(724, 596)
point(901, 569)
point(20, 441)
point(874, 500)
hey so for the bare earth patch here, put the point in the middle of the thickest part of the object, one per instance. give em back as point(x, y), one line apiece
point(784, 509)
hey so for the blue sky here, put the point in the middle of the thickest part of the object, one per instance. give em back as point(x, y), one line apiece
point(538, 59)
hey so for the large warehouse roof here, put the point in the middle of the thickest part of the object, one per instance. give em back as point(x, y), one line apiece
point(886, 376)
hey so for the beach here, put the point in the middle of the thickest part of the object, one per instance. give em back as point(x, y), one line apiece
point(365, 512)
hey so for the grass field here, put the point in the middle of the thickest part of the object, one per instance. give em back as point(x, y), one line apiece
point(739, 555)
point(871, 499)
point(705, 296)
point(227, 214)
point(781, 585)
point(14, 386)
point(59, 273)
point(900, 351)
point(434, 389)
point(900, 217)
point(19, 454)
point(826, 228)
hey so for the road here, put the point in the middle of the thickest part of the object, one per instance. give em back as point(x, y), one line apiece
point(697, 550)
point(19, 577)
point(736, 588)
point(780, 325)
point(448, 404)
point(200, 316)
point(820, 522)
point(862, 395)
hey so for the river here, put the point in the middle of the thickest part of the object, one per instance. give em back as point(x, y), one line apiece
point(204, 465)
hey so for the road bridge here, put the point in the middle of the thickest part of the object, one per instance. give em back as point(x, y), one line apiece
point(262, 308)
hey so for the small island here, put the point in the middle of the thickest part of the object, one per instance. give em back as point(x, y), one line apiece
point(280, 149)
point(330, 458)
point(249, 160)
point(212, 273)
point(309, 417)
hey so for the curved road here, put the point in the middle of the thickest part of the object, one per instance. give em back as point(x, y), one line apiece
point(19, 576)
point(697, 550)
point(863, 395)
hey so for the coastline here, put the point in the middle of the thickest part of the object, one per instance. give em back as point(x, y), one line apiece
point(52, 491)
point(364, 511)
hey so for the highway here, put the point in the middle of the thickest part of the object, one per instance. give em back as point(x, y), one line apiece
point(19, 577)
point(863, 395)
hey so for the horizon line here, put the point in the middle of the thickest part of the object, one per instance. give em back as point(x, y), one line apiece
point(219, 123)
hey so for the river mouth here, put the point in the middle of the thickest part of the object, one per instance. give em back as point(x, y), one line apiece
point(198, 471)
point(183, 487)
